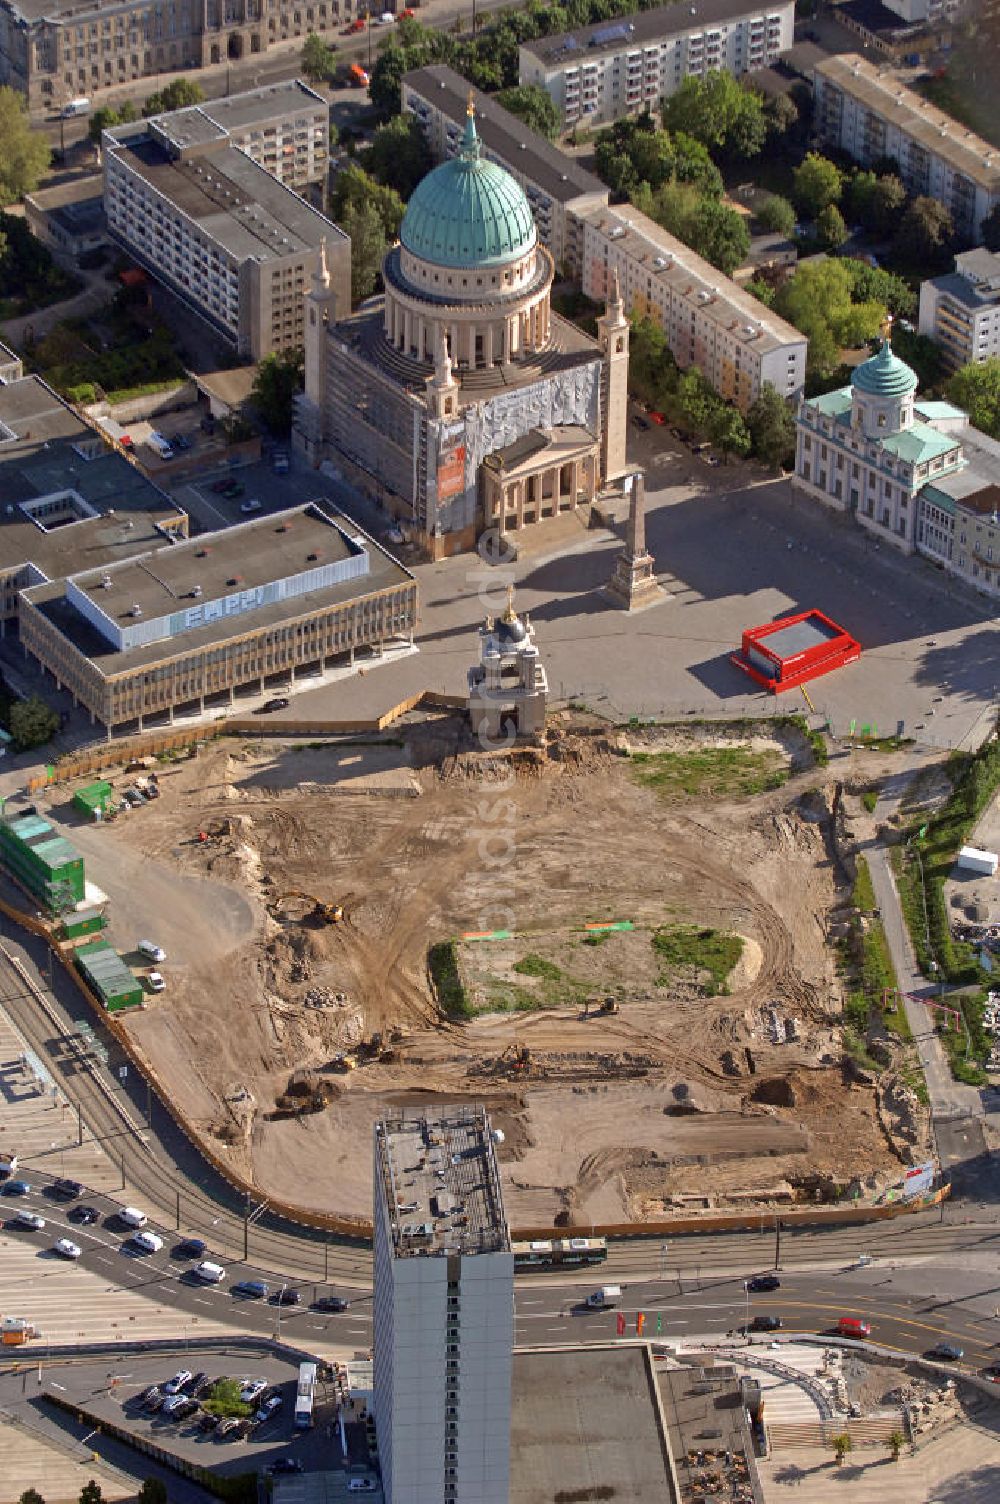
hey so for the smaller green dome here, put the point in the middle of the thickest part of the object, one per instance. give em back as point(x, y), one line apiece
point(884, 374)
point(468, 213)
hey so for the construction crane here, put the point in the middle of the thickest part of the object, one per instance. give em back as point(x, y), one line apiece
point(321, 912)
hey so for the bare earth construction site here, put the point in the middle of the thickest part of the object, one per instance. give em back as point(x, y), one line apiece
point(629, 1080)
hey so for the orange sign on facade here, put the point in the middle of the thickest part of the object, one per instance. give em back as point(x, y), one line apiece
point(451, 473)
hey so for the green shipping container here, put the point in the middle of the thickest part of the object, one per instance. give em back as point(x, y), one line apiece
point(95, 797)
point(102, 966)
point(83, 922)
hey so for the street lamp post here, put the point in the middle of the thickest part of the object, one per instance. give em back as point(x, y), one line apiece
point(746, 1321)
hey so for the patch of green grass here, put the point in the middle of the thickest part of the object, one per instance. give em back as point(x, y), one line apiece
point(532, 965)
point(442, 966)
point(596, 937)
point(854, 1045)
point(863, 894)
point(224, 1399)
point(734, 772)
point(687, 946)
point(869, 799)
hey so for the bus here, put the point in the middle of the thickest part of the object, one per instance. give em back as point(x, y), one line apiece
point(558, 1253)
point(305, 1396)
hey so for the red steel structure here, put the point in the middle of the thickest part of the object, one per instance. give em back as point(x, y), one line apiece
point(794, 649)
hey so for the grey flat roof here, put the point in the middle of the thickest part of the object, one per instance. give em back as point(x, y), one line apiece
point(438, 1174)
point(211, 120)
point(504, 136)
point(798, 638)
point(235, 200)
point(972, 294)
point(40, 460)
point(241, 551)
point(941, 135)
point(640, 29)
point(586, 1424)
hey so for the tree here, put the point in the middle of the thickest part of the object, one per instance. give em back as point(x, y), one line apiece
point(897, 1441)
point(817, 182)
point(652, 370)
point(976, 389)
point(781, 114)
point(772, 428)
point(831, 231)
point(32, 723)
point(178, 95)
point(368, 247)
point(990, 229)
point(91, 1493)
point(399, 155)
point(31, 1496)
point(873, 284)
point(777, 215)
point(319, 61)
point(720, 234)
point(24, 153)
point(278, 378)
point(718, 112)
point(925, 356)
point(842, 1444)
point(534, 105)
point(153, 1491)
point(696, 400)
point(357, 188)
point(728, 430)
point(926, 235)
point(887, 205)
point(818, 300)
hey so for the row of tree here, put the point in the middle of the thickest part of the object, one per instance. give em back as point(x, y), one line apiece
point(179, 95)
point(152, 1491)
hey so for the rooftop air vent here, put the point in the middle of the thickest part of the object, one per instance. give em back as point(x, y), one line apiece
point(135, 610)
point(195, 592)
point(312, 558)
point(235, 580)
point(201, 553)
point(105, 582)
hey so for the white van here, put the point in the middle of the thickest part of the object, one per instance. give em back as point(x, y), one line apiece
point(133, 1217)
point(146, 1242)
point(79, 106)
point(160, 445)
point(152, 950)
point(212, 1274)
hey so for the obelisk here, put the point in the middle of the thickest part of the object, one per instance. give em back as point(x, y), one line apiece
point(634, 582)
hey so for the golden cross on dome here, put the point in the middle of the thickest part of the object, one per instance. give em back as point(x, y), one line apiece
point(470, 107)
point(510, 614)
point(886, 327)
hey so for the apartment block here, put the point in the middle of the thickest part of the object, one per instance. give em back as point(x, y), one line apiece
point(236, 244)
point(443, 1311)
point(55, 50)
point(285, 127)
point(868, 113)
point(709, 321)
point(558, 189)
point(961, 310)
point(604, 72)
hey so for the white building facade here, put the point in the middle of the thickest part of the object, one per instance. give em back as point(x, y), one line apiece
point(443, 1313)
point(739, 345)
point(617, 68)
point(961, 311)
point(868, 113)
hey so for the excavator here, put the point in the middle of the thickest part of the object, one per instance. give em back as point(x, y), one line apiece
point(515, 1058)
point(321, 913)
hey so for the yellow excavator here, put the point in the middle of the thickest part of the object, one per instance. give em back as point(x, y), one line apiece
point(320, 913)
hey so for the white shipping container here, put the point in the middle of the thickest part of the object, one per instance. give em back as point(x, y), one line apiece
point(972, 859)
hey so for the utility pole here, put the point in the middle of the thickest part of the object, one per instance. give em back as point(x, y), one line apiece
point(123, 1168)
point(79, 1123)
point(777, 1242)
point(178, 1211)
point(326, 1256)
point(149, 1104)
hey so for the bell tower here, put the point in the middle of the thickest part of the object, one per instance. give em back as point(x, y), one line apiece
point(613, 332)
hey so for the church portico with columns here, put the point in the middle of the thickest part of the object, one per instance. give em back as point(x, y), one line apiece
point(458, 399)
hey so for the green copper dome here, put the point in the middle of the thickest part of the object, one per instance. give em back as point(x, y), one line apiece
point(468, 213)
point(884, 374)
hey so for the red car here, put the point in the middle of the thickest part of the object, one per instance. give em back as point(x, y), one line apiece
point(658, 419)
point(407, 14)
point(358, 24)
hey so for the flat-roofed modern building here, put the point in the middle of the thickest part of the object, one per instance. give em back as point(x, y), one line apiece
point(961, 310)
point(616, 68)
point(297, 591)
point(558, 189)
point(710, 322)
point(869, 113)
point(68, 218)
point(283, 126)
point(236, 244)
point(67, 496)
point(443, 1313)
point(55, 50)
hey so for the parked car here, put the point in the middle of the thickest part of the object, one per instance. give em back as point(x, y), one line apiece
point(152, 951)
point(250, 505)
point(638, 421)
point(156, 982)
point(946, 1352)
point(175, 1403)
point(180, 441)
point(67, 1190)
point(155, 1401)
point(279, 702)
point(233, 488)
point(208, 1422)
point(285, 1464)
point(193, 1385)
point(766, 1324)
point(268, 1408)
point(66, 1248)
point(85, 1215)
point(658, 419)
point(220, 487)
point(764, 1282)
point(182, 1406)
point(176, 1384)
point(227, 1427)
point(331, 1303)
point(28, 1219)
point(252, 1390)
point(190, 1248)
point(147, 1394)
point(280, 462)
